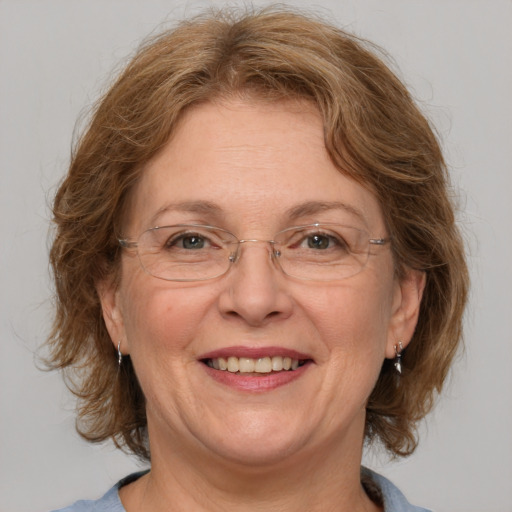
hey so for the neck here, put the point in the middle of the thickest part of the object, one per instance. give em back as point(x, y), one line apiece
point(319, 480)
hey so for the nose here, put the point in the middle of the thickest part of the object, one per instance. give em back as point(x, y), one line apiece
point(255, 290)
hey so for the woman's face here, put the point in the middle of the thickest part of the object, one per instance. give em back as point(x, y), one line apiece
point(254, 169)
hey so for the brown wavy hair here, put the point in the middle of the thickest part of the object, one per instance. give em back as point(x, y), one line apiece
point(374, 133)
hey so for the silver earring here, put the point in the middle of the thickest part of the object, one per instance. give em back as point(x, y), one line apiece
point(119, 354)
point(398, 357)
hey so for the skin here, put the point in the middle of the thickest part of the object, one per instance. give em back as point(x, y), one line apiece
point(296, 447)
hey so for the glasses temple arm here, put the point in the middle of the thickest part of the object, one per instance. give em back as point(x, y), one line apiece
point(127, 244)
point(379, 241)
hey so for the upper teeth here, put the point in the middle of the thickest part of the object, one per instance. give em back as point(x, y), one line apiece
point(251, 365)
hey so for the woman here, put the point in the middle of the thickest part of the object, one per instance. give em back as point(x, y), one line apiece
point(257, 269)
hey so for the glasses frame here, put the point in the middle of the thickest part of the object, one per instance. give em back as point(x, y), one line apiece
point(128, 244)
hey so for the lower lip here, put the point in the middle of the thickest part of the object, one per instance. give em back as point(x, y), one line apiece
point(256, 383)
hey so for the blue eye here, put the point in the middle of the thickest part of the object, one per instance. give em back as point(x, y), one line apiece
point(192, 242)
point(319, 241)
point(189, 241)
point(315, 241)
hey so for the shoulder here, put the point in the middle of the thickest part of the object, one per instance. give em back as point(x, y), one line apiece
point(392, 498)
point(109, 502)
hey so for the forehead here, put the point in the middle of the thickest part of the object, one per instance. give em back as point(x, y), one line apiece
point(253, 163)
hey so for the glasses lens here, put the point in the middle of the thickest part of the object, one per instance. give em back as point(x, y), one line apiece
point(322, 252)
point(186, 252)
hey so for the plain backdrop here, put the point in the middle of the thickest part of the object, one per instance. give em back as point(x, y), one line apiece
point(55, 58)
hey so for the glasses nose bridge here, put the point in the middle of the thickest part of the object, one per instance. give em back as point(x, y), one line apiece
point(256, 240)
point(270, 244)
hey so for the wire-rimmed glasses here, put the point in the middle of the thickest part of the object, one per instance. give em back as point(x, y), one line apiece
point(194, 252)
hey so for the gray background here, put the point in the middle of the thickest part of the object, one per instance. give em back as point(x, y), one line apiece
point(56, 55)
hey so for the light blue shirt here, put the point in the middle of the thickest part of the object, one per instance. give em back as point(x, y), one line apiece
point(393, 500)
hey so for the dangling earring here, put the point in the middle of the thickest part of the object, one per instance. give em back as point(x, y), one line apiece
point(120, 354)
point(398, 357)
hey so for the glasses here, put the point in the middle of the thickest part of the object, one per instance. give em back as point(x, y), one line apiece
point(190, 252)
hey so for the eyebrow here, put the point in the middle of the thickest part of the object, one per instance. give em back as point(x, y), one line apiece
point(198, 207)
point(302, 210)
point(314, 207)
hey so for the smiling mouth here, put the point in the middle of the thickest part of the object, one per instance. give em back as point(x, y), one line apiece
point(260, 365)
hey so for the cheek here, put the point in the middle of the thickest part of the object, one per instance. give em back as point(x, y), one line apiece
point(351, 323)
point(161, 317)
point(352, 319)
point(162, 325)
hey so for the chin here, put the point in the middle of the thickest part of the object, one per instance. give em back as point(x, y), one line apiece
point(258, 441)
point(260, 454)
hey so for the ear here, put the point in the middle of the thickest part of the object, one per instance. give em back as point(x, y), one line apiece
point(112, 314)
point(406, 308)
